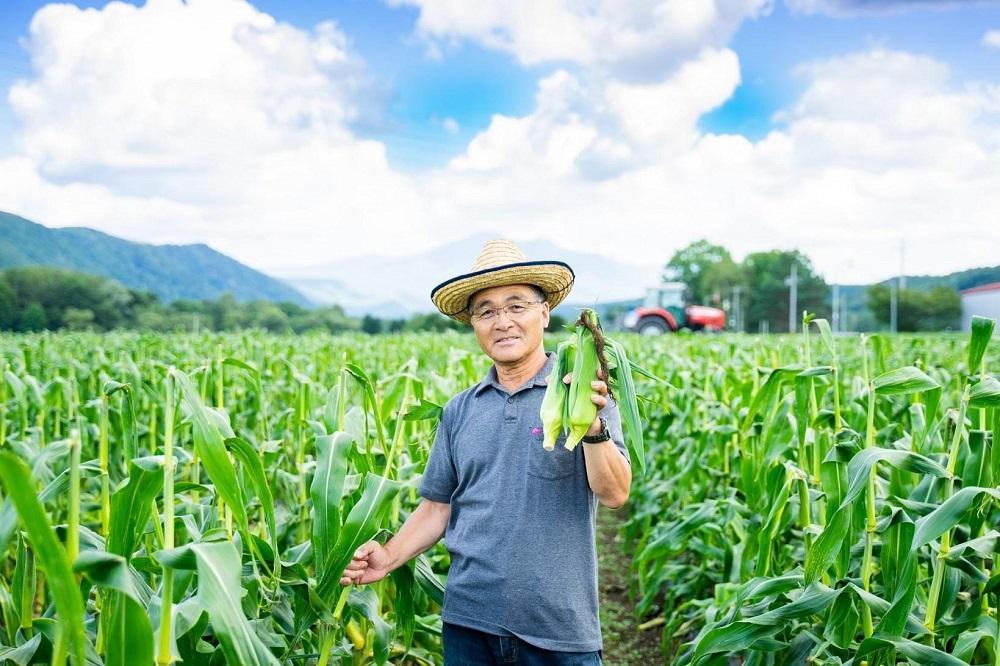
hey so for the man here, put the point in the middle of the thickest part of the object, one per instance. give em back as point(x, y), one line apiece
point(518, 520)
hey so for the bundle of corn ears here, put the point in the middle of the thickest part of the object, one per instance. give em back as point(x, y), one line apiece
point(569, 409)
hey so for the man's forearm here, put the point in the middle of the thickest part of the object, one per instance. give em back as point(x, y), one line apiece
point(424, 528)
point(608, 473)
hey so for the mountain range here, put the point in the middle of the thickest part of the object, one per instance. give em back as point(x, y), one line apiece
point(383, 286)
point(170, 271)
point(396, 286)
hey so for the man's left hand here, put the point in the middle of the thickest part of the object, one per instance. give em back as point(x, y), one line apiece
point(599, 397)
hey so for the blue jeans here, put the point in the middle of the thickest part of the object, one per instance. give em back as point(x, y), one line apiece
point(469, 647)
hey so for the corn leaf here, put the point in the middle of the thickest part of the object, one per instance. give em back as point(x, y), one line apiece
point(981, 334)
point(824, 551)
point(130, 634)
point(903, 381)
point(131, 505)
point(219, 592)
point(743, 634)
point(19, 484)
point(326, 491)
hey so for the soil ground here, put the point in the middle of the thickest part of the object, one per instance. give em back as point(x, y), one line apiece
point(624, 643)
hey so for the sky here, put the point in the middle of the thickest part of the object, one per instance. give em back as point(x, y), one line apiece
point(865, 133)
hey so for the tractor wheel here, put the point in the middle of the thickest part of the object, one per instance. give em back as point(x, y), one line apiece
point(652, 326)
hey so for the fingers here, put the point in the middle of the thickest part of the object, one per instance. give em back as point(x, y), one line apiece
point(358, 564)
point(366, 549)
point(599, 400)
point(597, 384)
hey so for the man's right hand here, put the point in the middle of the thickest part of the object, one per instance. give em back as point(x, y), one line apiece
point(370, 563)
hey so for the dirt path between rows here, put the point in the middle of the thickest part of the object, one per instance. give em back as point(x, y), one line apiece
point(624, 643)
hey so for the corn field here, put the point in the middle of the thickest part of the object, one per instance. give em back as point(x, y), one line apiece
point(194, 498)
point(822, 500)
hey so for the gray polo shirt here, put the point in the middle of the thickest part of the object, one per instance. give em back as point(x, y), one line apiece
point(522, 527)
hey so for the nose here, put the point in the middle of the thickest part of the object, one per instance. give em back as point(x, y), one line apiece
point(500, 324)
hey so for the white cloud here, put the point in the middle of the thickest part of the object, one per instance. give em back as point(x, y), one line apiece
point(211, 105)
point(638, 38)
point(880, 147)
point(992, 39)
point(209, 121)
point(866, 7)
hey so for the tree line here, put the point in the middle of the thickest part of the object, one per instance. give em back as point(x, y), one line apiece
point(760, 284)
point(36, 298)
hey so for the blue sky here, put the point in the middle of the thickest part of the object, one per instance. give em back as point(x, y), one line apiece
point(471, 83)
point(837, 127)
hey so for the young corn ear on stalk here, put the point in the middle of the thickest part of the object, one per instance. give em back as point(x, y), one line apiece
point(554, 401)
point(569, 409)
point(581, 410)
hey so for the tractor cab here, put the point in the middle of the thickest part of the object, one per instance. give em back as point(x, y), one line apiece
point(666, 296)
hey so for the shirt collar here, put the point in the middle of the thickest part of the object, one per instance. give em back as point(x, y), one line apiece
point(540, 378)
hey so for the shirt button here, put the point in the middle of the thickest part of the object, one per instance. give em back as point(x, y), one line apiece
point(510, 400)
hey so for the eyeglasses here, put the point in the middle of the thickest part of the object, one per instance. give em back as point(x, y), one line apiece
point(515, 310)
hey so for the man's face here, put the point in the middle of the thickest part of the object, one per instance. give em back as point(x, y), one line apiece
point(507, 337)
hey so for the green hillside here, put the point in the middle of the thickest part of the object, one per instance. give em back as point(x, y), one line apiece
point(169, 271)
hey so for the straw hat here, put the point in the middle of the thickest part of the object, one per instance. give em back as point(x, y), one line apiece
point(502, 263)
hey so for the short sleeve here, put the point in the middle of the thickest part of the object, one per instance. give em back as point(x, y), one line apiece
point(440, 479)
point(614, 419)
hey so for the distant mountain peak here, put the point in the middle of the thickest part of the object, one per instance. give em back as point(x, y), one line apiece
point(195, 271)
point(403, 284)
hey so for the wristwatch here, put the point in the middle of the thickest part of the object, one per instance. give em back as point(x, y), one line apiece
point(602, 436)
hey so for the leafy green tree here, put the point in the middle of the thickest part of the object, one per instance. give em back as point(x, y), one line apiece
point(719, 279)
point(270, 317)
point(933, 309)
point(692, 264)
point(329, 318)
point(56, 289)
point(371, 325)
point(78, 319)
point(32, 318)
point(8, 306)
point(431, 321)
point(766, 273)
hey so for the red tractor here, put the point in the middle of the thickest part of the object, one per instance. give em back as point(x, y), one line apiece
point(663, 311)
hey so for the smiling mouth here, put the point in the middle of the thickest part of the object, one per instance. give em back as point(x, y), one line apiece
point(509, 339)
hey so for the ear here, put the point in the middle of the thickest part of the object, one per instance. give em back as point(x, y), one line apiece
point(545, 314)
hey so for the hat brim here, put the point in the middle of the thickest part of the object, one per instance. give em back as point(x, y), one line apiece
point(555, 278)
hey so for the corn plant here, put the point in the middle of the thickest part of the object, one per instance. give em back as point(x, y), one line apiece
point(195, 497)
point(834, 513)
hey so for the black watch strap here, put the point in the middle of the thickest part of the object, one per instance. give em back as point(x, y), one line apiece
point(602, 436)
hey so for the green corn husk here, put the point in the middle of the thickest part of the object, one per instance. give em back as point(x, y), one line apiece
point(569, 409)
point(554, 402)
point(581, 409)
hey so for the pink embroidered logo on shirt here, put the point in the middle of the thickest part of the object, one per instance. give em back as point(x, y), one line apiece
point(536, 430)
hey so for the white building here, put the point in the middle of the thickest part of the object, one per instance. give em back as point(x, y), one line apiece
point(983, 300)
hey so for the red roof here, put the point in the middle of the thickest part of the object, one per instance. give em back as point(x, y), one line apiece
point(992, 286)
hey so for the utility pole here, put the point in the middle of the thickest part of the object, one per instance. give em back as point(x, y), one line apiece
point(836, 308)
point(793, 295)
point(892, 305)
point(737, 309)
point(902, 263)
point(898, 293)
